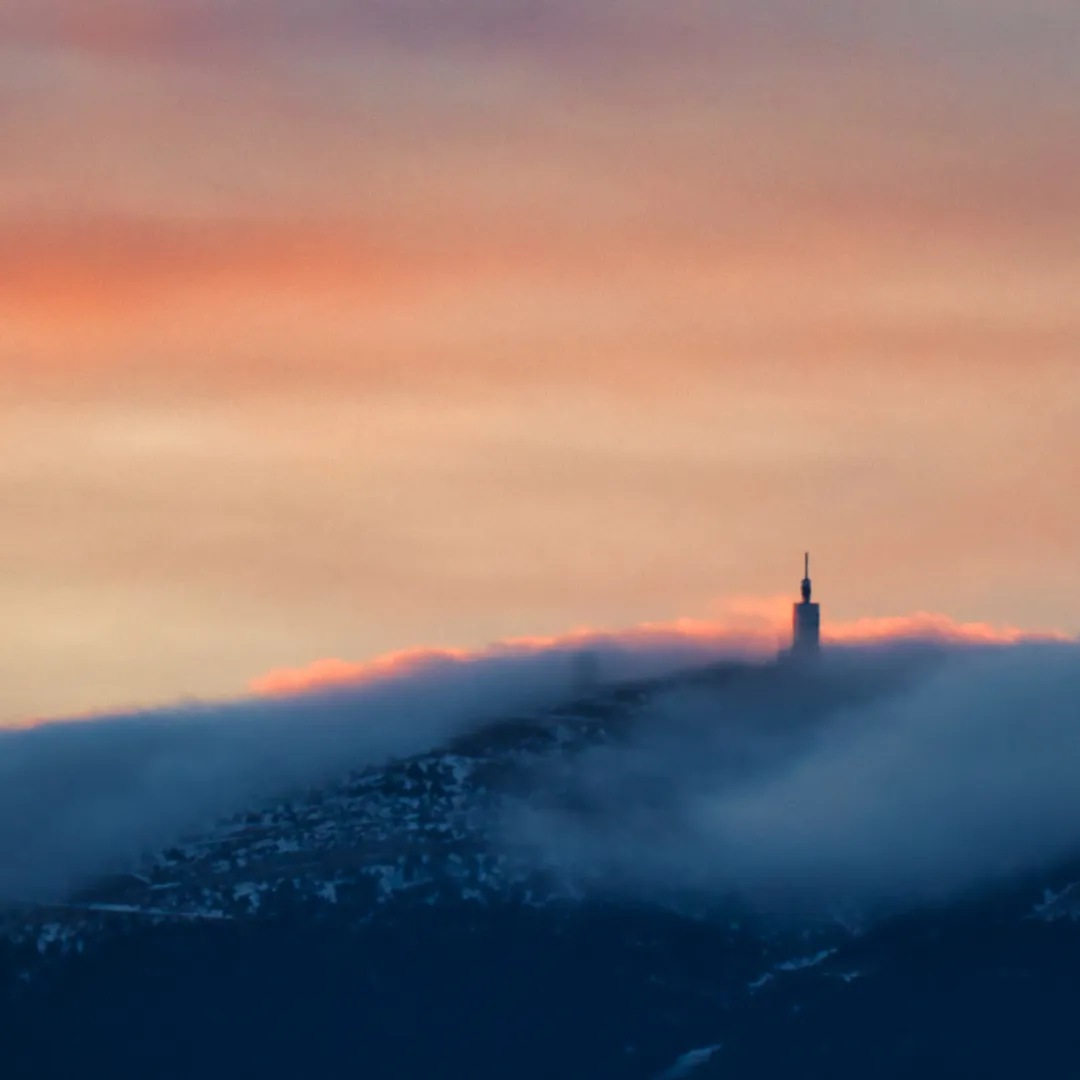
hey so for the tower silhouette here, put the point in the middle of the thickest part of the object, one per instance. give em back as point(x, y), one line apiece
point(806, 619)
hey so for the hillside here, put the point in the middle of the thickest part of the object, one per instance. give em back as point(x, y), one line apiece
point(404, 920)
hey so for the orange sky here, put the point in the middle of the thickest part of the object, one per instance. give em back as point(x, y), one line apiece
point(333, 333)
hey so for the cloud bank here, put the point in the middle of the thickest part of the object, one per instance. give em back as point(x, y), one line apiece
point(746, 627)
point(908, 767)
point(84, 797)
point(891, 775)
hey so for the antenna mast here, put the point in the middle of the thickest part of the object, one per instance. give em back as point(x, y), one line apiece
point(806, 617)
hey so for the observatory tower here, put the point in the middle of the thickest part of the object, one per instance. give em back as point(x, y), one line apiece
point(806, 621)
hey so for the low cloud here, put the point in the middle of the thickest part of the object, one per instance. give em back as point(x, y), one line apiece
point(929, 626)
point(889, 775)
point(647, 650)
point(905, 767)
point(80, 798)
point(747, 627)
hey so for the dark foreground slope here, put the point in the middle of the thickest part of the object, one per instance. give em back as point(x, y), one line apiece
point(582, 992)
point(386, 927)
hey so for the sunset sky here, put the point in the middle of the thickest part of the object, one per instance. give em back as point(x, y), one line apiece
point(332, 329)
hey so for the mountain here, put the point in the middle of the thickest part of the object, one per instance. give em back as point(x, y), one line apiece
point(416, 919)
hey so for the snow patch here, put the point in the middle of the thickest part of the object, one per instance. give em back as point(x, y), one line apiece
point(51, 933)
point(1065, 903)
point(790, 965)
point(689, 1062)
point(251, 892)
point(806, 961)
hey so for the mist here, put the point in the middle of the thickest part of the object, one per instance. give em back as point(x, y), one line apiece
point(885, 774)
point(881, 778)
point(82, 798)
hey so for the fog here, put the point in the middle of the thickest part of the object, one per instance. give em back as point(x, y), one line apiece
point(87, 797)
point(883, 777)
point(883, 774)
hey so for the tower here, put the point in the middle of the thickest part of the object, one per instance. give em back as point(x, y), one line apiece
point(806, 620)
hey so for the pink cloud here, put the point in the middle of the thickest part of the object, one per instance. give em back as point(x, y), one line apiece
point(748, 627)
point(929, 626)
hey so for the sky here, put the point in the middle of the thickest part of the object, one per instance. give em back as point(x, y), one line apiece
point(331, 330)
